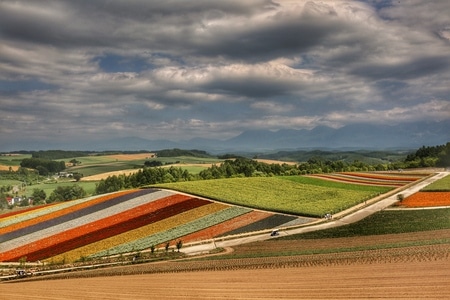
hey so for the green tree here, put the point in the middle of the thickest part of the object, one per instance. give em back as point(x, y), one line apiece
point(39, 195)
point(444, 156)
point(77, 176)
point(64, 193)
point(43, 171)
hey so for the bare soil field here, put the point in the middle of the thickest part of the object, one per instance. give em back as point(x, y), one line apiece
point(406, 278)
point(128, 157)
point(271, 161)
point(7, 168)
point(107, 174)
point(419, 271)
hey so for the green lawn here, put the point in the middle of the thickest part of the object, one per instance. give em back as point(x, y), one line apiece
point(295, 195)
point(88, 170)
point(439, 185)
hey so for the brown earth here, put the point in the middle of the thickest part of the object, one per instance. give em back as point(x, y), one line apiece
point(271, 161)
point(417, 279)
point(131, 156)
point(413, 272)
point(6, 168)
point(107, 174)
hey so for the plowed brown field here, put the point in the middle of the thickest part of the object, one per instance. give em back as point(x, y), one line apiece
point(131, 156)
point(415, 272)
point(411, 280)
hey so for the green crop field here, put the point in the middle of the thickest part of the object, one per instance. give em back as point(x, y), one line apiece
point(188, 160)
point(93, 165)
point(11, 182)
point(88, 170)
point(299, 195)
point(13, 160)
point(439, 185)
point(48, 188)
point(386, 222)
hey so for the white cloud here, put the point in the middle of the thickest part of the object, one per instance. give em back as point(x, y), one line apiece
point(202, 68)
point(436, 110)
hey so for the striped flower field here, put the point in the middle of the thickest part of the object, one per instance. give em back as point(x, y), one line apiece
point(121, 222)
point(377, 179)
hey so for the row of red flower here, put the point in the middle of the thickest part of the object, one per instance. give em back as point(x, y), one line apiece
point(78, 217)
point(107, 227)
point(383, 176)
point(58, 213)
point(360, 181)
point(24, 210)
point(227, 226)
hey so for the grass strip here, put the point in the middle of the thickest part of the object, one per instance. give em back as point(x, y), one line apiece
point(331, 250)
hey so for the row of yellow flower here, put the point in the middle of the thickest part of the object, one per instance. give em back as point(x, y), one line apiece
point(138, 233)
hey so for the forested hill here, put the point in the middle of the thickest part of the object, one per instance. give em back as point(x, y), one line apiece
point(180, 152)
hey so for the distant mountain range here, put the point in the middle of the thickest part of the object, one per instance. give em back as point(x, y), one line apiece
point(356, 136)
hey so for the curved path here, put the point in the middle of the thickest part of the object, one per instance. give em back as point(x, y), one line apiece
point(343, 218)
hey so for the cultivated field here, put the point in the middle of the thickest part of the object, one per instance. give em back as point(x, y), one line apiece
point(393, 254)
point(412, 280)
point(290, 194)
point(131, 221)
point(406, 273)
point(7, 168)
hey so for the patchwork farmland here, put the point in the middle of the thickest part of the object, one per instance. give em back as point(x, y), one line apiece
point(121, 222)
point(143, 219)
point(410, 245)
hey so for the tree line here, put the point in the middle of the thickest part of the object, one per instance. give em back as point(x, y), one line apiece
point(43, 166)
point(246, 167)
point(431, 156)
point(239, 167)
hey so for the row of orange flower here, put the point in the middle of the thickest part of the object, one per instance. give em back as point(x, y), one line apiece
point(427, 199)
point(61, 212)
point(383, 176)
point(227, 226)
point(104, 228)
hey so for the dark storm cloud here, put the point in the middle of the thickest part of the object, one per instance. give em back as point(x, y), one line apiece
point(415, 68)
point(181, 69)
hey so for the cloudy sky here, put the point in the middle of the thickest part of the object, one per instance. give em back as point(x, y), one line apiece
point(94, 69)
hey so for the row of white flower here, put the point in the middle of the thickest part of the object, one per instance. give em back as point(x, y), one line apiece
point(83, 220)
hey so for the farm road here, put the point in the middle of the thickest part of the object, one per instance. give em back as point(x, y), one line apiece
point(346, 217)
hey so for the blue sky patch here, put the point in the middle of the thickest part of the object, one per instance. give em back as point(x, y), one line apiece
point(24, 85)
point(112, 63)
